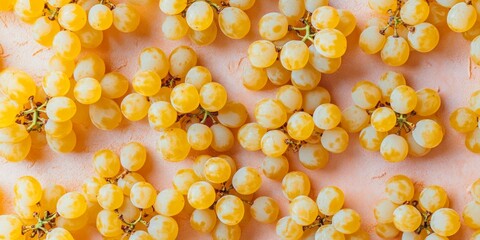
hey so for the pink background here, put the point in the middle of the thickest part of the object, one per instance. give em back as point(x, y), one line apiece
point(359, 173)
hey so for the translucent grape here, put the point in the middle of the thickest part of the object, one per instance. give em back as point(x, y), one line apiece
point(306, 78)
point(294, 55)
point(89, 37)
point(330, 43)
point(105, 114)
point(432, 198)
point(313, 98)
point(461, 17)
point(142, 195)
point(403, 99)
point(234, 22)
point(147, 83)
point(114, 85)
point(246, 180)
point(382, 6)
point(110, 197)
point(346, 221)
point(347, 23)
point(174, 27)
point(354, 119)
point(327, 116)
point(396, 51)
point(399, 189)
point(66, 44)
point(383, 119)
point(471, 215)
point(154, 59)
point(108, 224)
point(250, 135)
point(106, 163)
point(265, 210)
point(183, 179)
point(204, 37)
point(270, 113)
point(223, 139)
point(100, 17)
point(72, 17)
point(295, 184)
point(125, 18)
point(286, 228)
point(293, 9)
point(414, 12)
point(277, 74)
point(72, 205)
point(230, 210)
point(262, 53)
point(185, 98)
point(169, 202)
point(201, 195)
point(223, 231)
point(424, 38)
point(325, 17)
point(203, 220)
point(407, 218)
point(44, 30)
point(321, 63)
point(273, 26)
point(232, 115)
point(445, 222)
point(172, 7)
point(171, 144)
point(274, 143)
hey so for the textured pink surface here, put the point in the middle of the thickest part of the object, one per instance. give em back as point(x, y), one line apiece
point(359, 173)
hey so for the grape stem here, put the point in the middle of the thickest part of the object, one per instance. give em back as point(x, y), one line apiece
point(107, 3)
point(307, 27)
point(114, 180)
point(217, 7)
point(395, 20)
point(129, 227)
point(170, 81)
point(205, 115)
point(43, 224)
point(319, 221)
point(31, 117)
point(403, 123)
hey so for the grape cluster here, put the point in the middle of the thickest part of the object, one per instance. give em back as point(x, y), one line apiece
point(405, 28)
point(67, 25)
point(425, 216)
point(471, 212)
point(181, 101)
point(305, 123)
point(322, 219)
point(44, 213)
point(393, 118)
point(196, 18)
point(466, 120)
point(284, 53)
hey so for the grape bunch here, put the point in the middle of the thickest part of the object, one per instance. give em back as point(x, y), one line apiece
point(44, 213)
point(322, 219)
point(405, 29)
point(28, 110)
point(67, 25)
point(393, 118)
point(302, 41)
point(308, 124)
point(466, 120)
point(196, 18)
point(471, 212)
point(425, 216)
point(182, 103)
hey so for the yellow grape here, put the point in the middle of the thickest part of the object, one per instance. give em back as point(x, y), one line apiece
point(217, 170)
point(11, 227)
point(327, 116)
point(448, 3)
point(58, 129)
point(277, 74)
point(199, 165)
point(44, 30)
point(213, 96)
point(424, 37)
point(382, 6)
point(414, 149)
point(325, 17)
point(185, 98)
point(428, 102)
point(428, 133)
point(321, 63)
point(399, 189)
point(89, 66)
point(294, 55)
point(383, 211)
point(293, 9)
point(346, 221)
point(383, 119)
point(461, 17)
point(234, 22)
point(286, 228)
point(403, 99)
point(347, 23)
point(100, 17)
point(314, 98)
point(27, 191)
point(335, 140)
point(50, 196)
point(147, 83)
point(105, 114)
point(114, 85)
point(15, 152)
point(169, 202)
point(223, 231)
point(414, 12)
point(328, 232)
point(295, 184)
point(7, 5)
point(273, 26)
point(87, 91)
point(57, 63)
point(432, 198)
point(246, 180)
point(371, 40)
point(300, 126)
point(396, 51)
point(201, 195)
point(172, 144)
point(28, 10)
point(126, 183)
point(306, 78)
point(264, 210)
point(72, 205)
point(133, 156)
point(475, 190)
point(394, 148)
point(72, 17)
point(125, 18)
point(290, 98)
point(254, 78)
point(199, 15)
point(250, 135)
point(142, 195)
point(313, 156)
point(223, 139)
point(445, 222)
point(474, 102)
point(232, 115)
point(371, 139)
point(25, 212)
point(203, 220)
point(274, 143)
point(330, 43)
point(230, 210)
point(56, 84)
point(204, 37)
point(61, 109)
point(366, 94)
point(270, 113)
point(106, 163)
point(66, 44)
point(59, 234)
point(473, 32)
point(90, 188)
point(311, 5)
point(386, 230)
point(198, 76)
point(354, 119)
point(472, 141)
point(174, 27)
point(135, 106)
point(262, 53)
point(242, 4)
point(17, 86)
point(13, 133)
point(161, 115)
point(471, 215)
point(407, 218)
point(110, 197)
point(109, 224)
point(154, 59)
point(172, 7)
point(89, 37)
point(141, 235)
point(303, 210)
point(275, 167)
point(183, 179)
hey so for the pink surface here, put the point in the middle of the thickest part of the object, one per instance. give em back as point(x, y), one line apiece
point(360, 174)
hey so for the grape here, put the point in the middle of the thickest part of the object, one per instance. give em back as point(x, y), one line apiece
point(56, 84)
point(199, 15)
point(328, 232)
point(125, 18)
point(394, 148)
point(135, 106)
point(89, 66)
point(133, 156)
point(472, 33)
point(89, 37)
point(414, 149)
point(87, 91)
point(15, 152)
point(294, 55)
point(347, 23)
point(254, 78)
point(13, 133)
point(275, 167)
point(232, 115)
point(44, 30)
point(461, 17)
point(106, 163)
point(61, 109)
point(199, 165)
point(295, 184)
point(199, 136)
point(58, 129)
point(217, 170)
point(290, 98)
point(474, 102)
point(438, 13)
point(475, 190)
point(27, 190)
point(183, 179)
point(28, 10)
point(471, 215)
point(274, 143)
point(386, 230)
point(249, 136)
point(366, 95)
point(382, 6)
point(300, 126)
point(403, 99)
point(325, 17)
point(223, 139)
point(371, 139)
point(335, 140)
point(277, 74)
point(198, 76)
point(270, 113)
point(428, 133)
point(230, 210)
point(383, 211)
point(234, 22)
point(73, 225)
point(396, 51)
point(110, 197)
point(213, 97)
point(174, 27)
point(203, 220)
point(313, 156)
point(169, 202)
point(140, 235)
point(399, 189)
point(72, 205)
point(303, 210)
point(204, 37)
point(407, 218)
point(262, 53)
point(424, 37)
point(246, 180)
point(171, 144)
point(388, 82)
point(201, 195)
point(57, 63)
point(414, 12)
point(161, 115)
point(448, 3)
point(306, 78)
point(50, 196)
point(330, 43)
point(327, 116)
point(7, 5)
point(66, 45)
point(346, 221)
point(142, 195)
point(105, 114)
point(72, 17)
point(286, 228)
point(354, 119)
point(428, 102)
point(57, 3)
point(11, 227)
point(100, 17)
point(59, 234)
point(265, 210)
point(293, 9)
point(383, 119)
point(321, 63)
point(154, 59)
point(147, 83)
point(273, 26)
point(432, 198)
point(330, 200)
point(91, 186)
point(223, 231)
point(172, 7)
point(108, 224)
point(242, 4)
point(313, 98)
point(435, 236)
point(414, 236)
point(185, 98)
point(17, 86)
point(114, 85)
point(445, 222)
point(126, 182)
